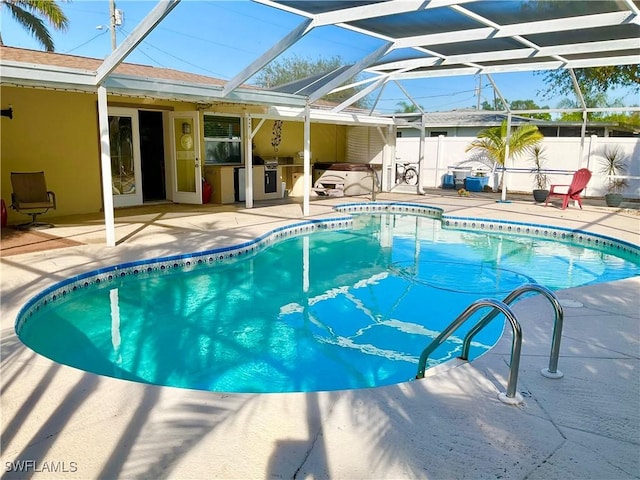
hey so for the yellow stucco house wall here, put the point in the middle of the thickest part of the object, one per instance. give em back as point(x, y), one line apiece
point(328, 142)
point(57, 132)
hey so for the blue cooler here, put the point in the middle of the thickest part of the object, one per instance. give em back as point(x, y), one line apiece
point(475, 184)
point(449, 181)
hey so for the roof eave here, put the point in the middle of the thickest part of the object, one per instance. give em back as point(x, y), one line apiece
point(46, 76)
point(187, 91)
point(17, 73)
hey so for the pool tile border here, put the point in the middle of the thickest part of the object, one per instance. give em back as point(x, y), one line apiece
point(579, 237)
point(191, 261)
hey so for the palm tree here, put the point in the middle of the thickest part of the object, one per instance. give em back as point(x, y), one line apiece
point(492, 142)
point(408, 107)
point(28, 12)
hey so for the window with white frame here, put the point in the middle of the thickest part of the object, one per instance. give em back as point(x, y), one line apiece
point(222, 139)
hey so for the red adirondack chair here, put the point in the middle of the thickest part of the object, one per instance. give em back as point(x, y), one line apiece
point(573, 191)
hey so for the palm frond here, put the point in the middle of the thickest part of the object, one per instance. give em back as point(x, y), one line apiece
point(52, 12)
point(493, 141)
point(28, 12)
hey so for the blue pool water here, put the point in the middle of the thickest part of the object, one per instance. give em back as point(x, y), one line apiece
point(328, 310)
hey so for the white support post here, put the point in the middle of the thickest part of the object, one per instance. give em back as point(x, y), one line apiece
point(583, 133)
point(583, 105)
point(387, 158)
point(421, 155)
point(306, 177)
point(105, 165)
point(505, 174)
point(593, 140)
point(248, 162)
point(439, 157)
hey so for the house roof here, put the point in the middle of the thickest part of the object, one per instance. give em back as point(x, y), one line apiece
point(37, 57)
point(460, 118)
point(487, 118)
point(23, 67)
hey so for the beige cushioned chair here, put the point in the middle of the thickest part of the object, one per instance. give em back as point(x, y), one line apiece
point(31, 197)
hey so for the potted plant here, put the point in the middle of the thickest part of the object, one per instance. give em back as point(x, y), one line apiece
point(614, 164)
point(540, 179)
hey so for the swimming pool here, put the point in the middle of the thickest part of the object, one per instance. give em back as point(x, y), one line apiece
point(291, 312)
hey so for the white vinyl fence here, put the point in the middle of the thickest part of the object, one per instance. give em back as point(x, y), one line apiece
point(563, 157)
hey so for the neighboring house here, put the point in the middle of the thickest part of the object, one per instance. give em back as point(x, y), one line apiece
point(467, 123)
point(168, 130)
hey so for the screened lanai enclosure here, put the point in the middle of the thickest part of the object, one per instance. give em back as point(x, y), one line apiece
point(401, 41)
point(420, 39)
point(423, 40)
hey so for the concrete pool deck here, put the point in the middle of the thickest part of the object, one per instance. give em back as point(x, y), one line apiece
point(450, 425)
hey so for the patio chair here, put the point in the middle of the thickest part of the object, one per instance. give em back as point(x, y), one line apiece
point(31, 197)
point(572, 191)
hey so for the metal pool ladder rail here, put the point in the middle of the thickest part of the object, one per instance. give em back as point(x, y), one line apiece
point(552, 371)
point(511, 396)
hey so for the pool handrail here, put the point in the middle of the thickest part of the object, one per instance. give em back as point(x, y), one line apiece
point(516, 343)
point(552, 371)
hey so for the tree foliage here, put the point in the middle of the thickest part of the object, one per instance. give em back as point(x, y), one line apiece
point(497, 105)
point(592, 80)
point(30, 14)
point(519, 105)
point(289, 69)
point(594, 84)
point(597, 100)
point(404, 107)
point(530, 105)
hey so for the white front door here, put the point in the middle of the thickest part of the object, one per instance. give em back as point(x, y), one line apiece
point(126, 167)
point(185, 147)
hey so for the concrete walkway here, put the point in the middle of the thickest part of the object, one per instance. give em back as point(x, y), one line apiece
point(448, 425)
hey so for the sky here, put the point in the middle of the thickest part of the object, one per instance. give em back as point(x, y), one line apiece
point(220, 38)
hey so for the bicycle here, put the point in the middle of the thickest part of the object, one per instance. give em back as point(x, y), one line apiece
point(406, 174)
